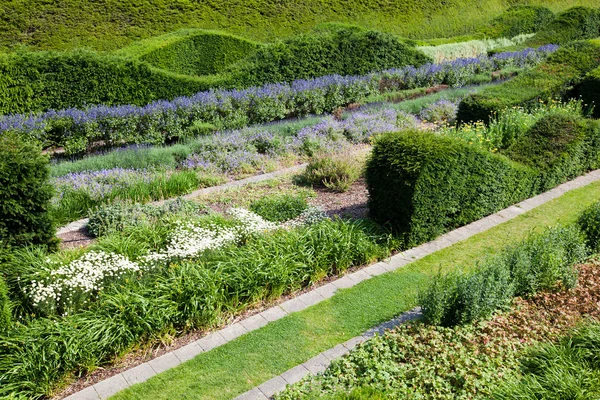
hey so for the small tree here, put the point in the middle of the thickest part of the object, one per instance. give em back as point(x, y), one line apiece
point(25, 194)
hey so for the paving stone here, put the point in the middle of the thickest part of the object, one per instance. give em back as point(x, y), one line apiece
point(272, 386)
point(110, 386)
point(376, 269)
point(359, 276)
point(234, 331)
point(311, 298)
point(211, 341)
point(253, 394)
point(140, 373)
point(413, 254)
point(89, 393)
point(188, 351)
point(336, 352)
point(293, 305)
point(511, 212)
point(295, 374)
point(350, 344)
point(273, 313)
point(327, 290)
point(254, 322)
point(164, 362)
point(317, 364)
point(343, 283)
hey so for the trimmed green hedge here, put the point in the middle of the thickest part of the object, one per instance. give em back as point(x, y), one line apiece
point(589, 90)
point(34, 81)
point(335, 49)
point(518, 20)
point(25, 194)
point(577, 23)
point(192, 51)
point(561, 146)
point(423, 185)
point(553, 78)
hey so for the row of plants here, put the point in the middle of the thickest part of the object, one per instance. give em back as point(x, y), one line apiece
point(165, 121)
point(475, 339)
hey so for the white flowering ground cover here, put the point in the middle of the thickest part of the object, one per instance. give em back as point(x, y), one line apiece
point(64, 288)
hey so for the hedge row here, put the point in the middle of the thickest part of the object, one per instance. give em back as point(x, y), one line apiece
point(424, 185)
point(553, 78)
point(192, 51)
point(577, 23)
point(52, 80)
point(519, 20)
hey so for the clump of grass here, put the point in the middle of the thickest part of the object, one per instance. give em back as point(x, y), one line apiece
point(280, 208)
point(336, 172)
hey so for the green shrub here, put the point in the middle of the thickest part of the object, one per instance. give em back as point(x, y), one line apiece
point(56, 80)
point(589, 89)
point(191, 51)
point(280, 208)
point(552, 79)
point(556, 145)
point(336, 172)
point(589, 222)
point(343, 51)
point(518, 20)
point(25, 194)
point(577, 23)
point(5, 312)
point(423, 185)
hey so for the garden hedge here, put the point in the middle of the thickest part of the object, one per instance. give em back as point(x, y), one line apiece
point(423, 185)
point(25, 194)
point(556, 77)
point(518, 20)
point(35, 81)
point(589, 90)
point(336, 49)
point(577, 23)
point(192, 51)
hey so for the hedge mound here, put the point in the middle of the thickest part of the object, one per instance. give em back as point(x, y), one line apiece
point(553, 78)
point(423, 185)
point(192, 51)
point(577, 23)
point(25, 195)
point(518, 20)
point(335, 49)
point(36, 81)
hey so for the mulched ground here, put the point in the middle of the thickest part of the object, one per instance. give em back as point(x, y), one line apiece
point(350, 204)
point(75, 239)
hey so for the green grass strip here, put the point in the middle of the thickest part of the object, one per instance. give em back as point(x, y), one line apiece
point(258, 356)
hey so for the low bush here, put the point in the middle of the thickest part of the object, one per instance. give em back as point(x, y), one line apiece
point(191, 51)
point(25, 195)
point(542, 262)
point(577, 23)
point(336, 172)
point(554, 78)
point(518, 20)
point(280, 208)
point(589, 222)
point(422, 184)
point(342, 51)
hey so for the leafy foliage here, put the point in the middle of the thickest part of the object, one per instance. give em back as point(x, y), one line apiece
point(576, 23)
point(423, 185)
point(336, 172)
point(589, 89)
point(25, 195)
point(518, 20)
point(589, 222)
point(5, 309)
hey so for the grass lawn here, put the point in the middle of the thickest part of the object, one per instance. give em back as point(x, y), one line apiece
point(254, 358)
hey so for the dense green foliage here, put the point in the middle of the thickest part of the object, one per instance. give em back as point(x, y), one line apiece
point(553, 78)
point(577, 23)
point(5, 311)
point(567, 369)
point(589, 222)
point(197, 293)
point(343, 50)
point(34, 81)
point(25, 194)
point(279, 208)
point(191, 51)
point(539, 263)
point(336, 172)
point(423, 185)
point(590, 90)
point(112, 24)
point(518, 20)
point(560, 146)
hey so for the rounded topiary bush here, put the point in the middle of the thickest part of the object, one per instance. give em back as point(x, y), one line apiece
point(25, 195)
point(589, 222)
point(576, 23)
point(518, 20)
